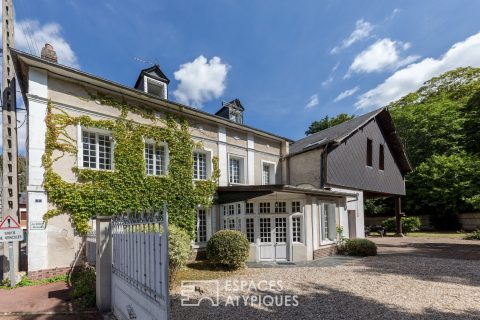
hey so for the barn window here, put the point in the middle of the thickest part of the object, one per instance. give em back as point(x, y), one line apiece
point(369, 152)
point(381, 158)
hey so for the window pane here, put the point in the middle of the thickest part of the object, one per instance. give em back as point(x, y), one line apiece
point(296, 229)
point(201, 226)
point(296, 206)
point(199, 166)
point(369, 152)
point(249, 208)
point(264, 207)
point(89, 150)
point(265, 230)
point(250, 228)
point(234, 171)
point(280, 207)
point(281, 230)
point(160, 163)
point(149, 157)
point(104, 152)
point(266, 174)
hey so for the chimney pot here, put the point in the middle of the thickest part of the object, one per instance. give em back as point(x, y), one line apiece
point(48, 53)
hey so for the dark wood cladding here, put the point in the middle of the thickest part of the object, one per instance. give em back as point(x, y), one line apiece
point(346, 163)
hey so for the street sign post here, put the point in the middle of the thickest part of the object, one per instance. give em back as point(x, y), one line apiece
point(10, 231)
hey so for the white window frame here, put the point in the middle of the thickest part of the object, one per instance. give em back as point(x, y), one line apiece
point(208, 159)
point(321, 223)
point(155, 82)
point(272, 169)
point(198, 226)
point(96, 131)
point(302, 228)
point(167, 158)
point(242, 167)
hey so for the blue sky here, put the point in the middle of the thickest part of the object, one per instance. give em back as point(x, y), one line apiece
point(289, 62)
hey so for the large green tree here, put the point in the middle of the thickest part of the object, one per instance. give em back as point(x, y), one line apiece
point(327, 122)
point(440, 128)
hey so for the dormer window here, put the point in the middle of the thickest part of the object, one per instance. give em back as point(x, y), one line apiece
point(232, 111)
point(155, 87)
point(153, 81)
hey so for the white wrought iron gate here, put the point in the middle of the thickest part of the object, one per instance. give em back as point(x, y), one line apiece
point(140, 265)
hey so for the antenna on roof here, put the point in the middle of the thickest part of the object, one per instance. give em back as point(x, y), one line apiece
point(149, 62)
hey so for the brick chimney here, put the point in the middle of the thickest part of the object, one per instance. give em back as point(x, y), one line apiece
point(49, 54)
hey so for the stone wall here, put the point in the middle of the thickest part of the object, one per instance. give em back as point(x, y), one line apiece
point(469, 221)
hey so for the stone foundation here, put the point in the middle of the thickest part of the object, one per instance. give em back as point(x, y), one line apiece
point(325, 251)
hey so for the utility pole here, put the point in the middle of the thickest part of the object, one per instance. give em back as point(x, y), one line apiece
point(9, 134)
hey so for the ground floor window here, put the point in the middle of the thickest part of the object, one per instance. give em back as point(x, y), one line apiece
point(328, 223)
point(250, 229)
point(201, 226)
point(297, 229)
point(265, 230)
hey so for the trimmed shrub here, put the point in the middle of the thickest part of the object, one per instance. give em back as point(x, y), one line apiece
point(409, 224)
point(359, 247)
point(179, 250)
point(228, 248)
point(475, 235)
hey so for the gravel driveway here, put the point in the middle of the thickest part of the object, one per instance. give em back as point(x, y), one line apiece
point(411, 278)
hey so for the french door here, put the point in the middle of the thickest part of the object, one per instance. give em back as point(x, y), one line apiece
point(273, 238)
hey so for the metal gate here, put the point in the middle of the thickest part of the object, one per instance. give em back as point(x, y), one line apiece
point(140, 265)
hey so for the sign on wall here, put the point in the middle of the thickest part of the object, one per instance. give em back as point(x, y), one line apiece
point(37, 225)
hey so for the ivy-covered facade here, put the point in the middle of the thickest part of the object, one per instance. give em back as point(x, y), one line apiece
point(99, 148)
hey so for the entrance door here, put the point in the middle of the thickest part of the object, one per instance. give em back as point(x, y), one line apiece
point(352, 224)
point(266, 246)
point(273, 239)
point(281, 238)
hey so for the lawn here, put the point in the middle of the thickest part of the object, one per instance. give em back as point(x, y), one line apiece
point(427, 234)
point(202, 270)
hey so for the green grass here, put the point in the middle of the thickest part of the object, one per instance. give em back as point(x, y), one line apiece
point(202, 270)
point(437, 234)
point(26, 282)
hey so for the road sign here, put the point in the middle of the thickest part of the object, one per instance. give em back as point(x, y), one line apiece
point(10, 230)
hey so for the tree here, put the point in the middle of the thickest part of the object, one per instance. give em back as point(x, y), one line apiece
point(327, 122)
point(440, 128)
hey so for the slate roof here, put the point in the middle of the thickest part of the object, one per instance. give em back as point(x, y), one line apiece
point(339, 133)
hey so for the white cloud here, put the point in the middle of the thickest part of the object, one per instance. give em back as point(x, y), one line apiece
point(312, 102)
point(331, 77)
point(362, 31)
point(30, 36)
point(346, 94)
point(385, 54)
point(200, 81)
point(461, 54)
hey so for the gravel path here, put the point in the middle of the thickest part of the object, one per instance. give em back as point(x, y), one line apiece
point(411, 278)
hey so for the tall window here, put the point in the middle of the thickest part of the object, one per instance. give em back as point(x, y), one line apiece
point(328, 222)
point(201, 226)
point(199, 166)
point(369, 152)
point(267, 170)
point(381, 157)
point(250, 229)
point(296, 229)
point(155, 163)
point(97, 150)
point(235, 170)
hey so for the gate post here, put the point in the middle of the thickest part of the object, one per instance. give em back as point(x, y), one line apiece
point(103, 266)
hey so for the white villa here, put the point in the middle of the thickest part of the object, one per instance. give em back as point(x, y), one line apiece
point(287, 197)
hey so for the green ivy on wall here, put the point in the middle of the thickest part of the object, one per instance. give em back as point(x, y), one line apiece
point(109, 192)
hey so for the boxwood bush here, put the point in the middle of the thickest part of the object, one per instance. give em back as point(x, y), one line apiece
point(358, 247)
point(179, 250)
point(475, 235)
point(228, 248)
point(409, 224)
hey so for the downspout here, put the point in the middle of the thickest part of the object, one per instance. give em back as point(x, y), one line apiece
point(323, 167)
